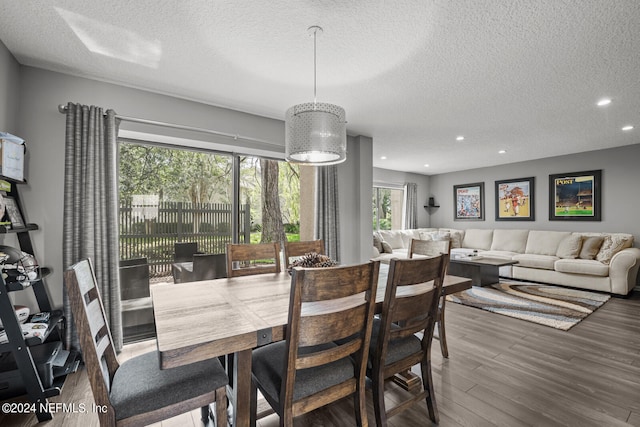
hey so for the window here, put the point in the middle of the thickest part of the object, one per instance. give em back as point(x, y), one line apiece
point(387, 208)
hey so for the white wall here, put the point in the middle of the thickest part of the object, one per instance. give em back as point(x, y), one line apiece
point(387, 176)
point(40, 123)
point(620, 191)
point(9, 95)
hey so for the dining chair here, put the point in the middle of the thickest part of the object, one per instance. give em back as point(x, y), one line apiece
point(431, 248)
point(137, 392)
point(184, 251)
point(394, 347)
point(209, 266)
point(309, 369)
point(298, 249)
point(247, 259)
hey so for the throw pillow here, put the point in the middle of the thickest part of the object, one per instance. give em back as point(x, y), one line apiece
point(442, 236)
point(590, 247)
point(377, 242)
point(427, 235)
point(456, 239)
point(569, 247)
point(386, 248)
point(613, 244)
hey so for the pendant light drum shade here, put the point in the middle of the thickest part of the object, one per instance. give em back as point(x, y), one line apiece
point(316, 133)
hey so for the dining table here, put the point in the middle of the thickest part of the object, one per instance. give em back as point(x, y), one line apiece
point(232, 316)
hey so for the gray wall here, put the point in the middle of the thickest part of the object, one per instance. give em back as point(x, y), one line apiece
point(9, 95)
point(620, 191)
point(40, 123)
point(387, 176)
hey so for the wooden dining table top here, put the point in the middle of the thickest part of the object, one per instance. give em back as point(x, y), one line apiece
point(201, 320)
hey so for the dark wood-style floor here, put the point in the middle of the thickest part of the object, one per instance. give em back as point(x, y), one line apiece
point(501, 371)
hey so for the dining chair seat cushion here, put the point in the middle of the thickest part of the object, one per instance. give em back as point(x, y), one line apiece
point(397, 349)
point(268, 362)
point(140, 386)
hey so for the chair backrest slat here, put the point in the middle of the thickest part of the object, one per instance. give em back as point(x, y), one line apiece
point(319, 329)
point(429, 247)
point(298, 249)
point(239, 257)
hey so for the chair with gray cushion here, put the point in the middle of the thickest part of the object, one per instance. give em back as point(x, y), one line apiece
point(406, 311)
point(431, 248)
point(309, 369)
point(137, 392)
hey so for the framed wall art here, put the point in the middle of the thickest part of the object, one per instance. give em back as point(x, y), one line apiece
point(13, 212)
point(469, 201)
point(515, 199)
point(575, 196)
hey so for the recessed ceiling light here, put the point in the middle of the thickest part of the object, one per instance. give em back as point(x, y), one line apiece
point(426, 165)
point(502, 151)
point(629, 127)
point(460, 138)
point(383, 157)
point(604, 102)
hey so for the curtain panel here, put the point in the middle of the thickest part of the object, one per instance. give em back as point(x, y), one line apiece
point(90, 228)
point(411, 206)
point(327, 217)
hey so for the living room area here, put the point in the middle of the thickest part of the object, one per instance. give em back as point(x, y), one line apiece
point(490, 124)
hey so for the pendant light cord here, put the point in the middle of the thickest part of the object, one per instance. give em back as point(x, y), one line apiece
point(315, 96)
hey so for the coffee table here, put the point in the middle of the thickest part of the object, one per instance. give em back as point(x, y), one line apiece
point(481, 270)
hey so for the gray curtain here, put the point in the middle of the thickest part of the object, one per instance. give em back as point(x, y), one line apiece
point(327, 218)
point(411, 211)
point(90, 228)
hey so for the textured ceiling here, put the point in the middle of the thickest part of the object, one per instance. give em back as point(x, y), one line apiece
point(518, 75)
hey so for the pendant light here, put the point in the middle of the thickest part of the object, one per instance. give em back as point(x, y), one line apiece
point(315, 132)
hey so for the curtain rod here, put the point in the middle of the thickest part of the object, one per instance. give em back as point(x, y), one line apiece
point(63, 109)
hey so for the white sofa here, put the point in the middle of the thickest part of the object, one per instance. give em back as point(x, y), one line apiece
point(557, 257)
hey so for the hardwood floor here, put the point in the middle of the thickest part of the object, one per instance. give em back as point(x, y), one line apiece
point(501, 371)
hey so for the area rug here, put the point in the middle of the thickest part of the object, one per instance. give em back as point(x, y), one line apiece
point(554, 306)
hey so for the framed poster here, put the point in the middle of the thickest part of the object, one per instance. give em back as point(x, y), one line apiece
point(468, 202)
point(575, 196)
point(515, 199)
point(13, 212)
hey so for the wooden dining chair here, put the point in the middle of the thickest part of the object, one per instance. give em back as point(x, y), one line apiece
point(248, 259)
point(298, 249)
point(309, 369)
point(394, 346)
point(432, 248)
point(137, 392)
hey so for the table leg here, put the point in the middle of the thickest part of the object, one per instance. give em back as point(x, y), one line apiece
point(240, 394)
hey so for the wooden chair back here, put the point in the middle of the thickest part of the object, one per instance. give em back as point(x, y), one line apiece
point(407, 310)
point(241, 259)
point(298, 249)
point(209, 266)
point(95, 338)
point(328, 305)
point(184, 251)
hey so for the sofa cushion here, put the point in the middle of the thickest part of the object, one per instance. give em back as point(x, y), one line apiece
point(590, 247)
point(407, 236)
point(582, 266)
point(544, 242)
point(386, 248)
point(393, 237)
point(456, 236)
point(509, 240)
point(569, 247)
point(377, 242)
point(613, 243)
point(477, 239)
point(543, 262)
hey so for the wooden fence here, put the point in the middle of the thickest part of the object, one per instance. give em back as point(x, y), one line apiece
point(151, 231)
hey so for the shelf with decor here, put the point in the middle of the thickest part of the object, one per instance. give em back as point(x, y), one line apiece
point(32, 358)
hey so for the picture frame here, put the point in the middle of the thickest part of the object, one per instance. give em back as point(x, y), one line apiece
point(515, 199)
point(468, 202)
point(13, 212)
point(575, 196)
